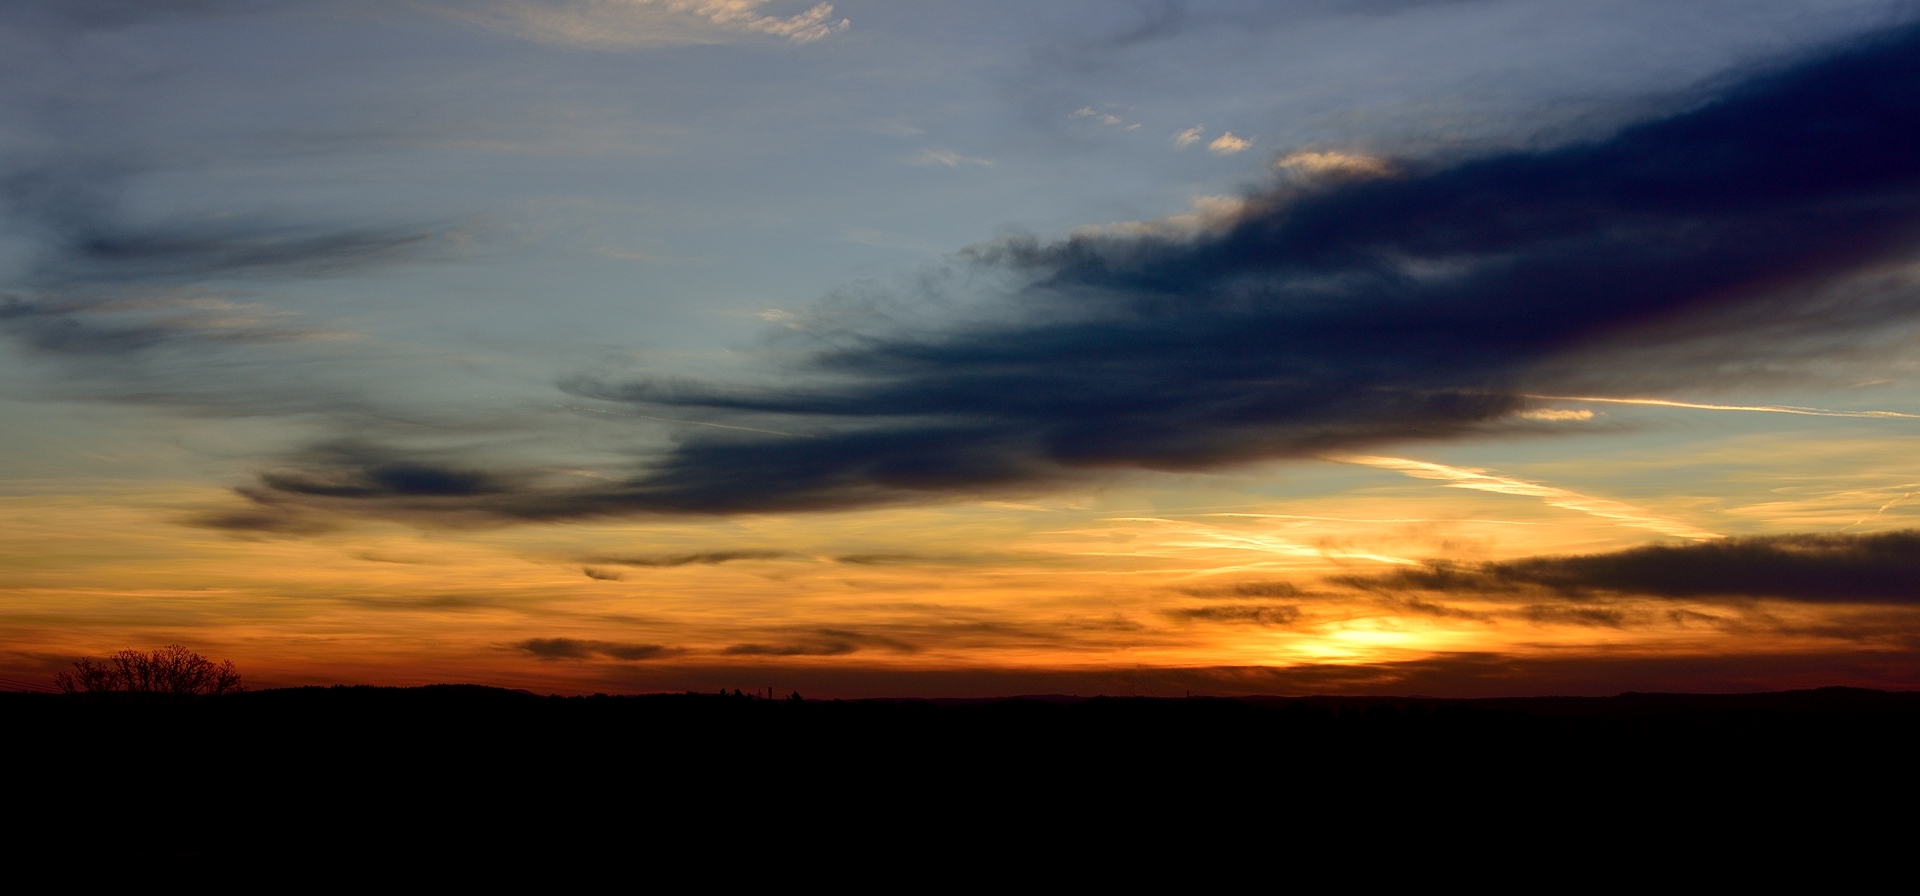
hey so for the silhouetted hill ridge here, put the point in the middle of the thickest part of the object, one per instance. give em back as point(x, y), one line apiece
point(469, 764)
point(1815, 699)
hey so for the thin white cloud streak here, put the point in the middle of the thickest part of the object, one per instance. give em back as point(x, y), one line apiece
point(1481, 480)
point(626, 24)
point(1214, 538)
point(946, 157)
point(1883, 508)
point(1762, 408)
point(1188, 137)
point(1345, 519)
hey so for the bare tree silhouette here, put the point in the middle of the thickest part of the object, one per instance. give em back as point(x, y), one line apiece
point(171, 671)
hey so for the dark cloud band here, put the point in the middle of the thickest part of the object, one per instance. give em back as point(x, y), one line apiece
point(577, 649)
point(1330, 314)
point(1880, 568)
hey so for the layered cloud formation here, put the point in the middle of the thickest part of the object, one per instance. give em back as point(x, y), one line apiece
point(1354, 302)
point(1361, 305)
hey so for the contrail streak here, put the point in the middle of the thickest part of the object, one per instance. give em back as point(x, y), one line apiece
point(1347, 519)
point(1215, 538)
point(1764, 408)
point(1883, 509)
point(1481, 480)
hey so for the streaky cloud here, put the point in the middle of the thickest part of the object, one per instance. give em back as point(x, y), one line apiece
point(1276, 616)
point(1762, 408)
point(822, 642)
point(1481, 480)
point(628, 24)
point(1878, 568)
point(1256, 589)
point(89, 243)
point(110, 14)
point(147, 311)
point(1424, 300)
point(577, 649)
point(698, 558)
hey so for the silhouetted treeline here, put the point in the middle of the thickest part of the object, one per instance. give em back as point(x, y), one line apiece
point(425, 768)
point(171, 672)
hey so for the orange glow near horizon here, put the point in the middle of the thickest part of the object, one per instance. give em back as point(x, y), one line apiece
point(1129, 578)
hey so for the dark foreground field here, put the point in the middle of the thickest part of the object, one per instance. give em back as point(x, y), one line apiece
point(502, 773)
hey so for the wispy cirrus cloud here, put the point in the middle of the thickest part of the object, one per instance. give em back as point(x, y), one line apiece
point(947, 158)
point(627, 24)
point(1106, 118)
point(149, 308)
point(1484, 481)
point(1763, 408)
point(87, 243)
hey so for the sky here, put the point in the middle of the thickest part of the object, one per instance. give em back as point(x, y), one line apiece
point(1459, 348)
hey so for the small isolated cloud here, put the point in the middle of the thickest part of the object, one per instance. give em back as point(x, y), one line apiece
point(1188, 137)
point(822, 642)
point(892, 558)
point(264, 518)
point(603, 575)
point(946, 157)
point(786, 319)
point(576, 649)
point(1332, 164)
point(824, 648)
point(1240, 614)
point(1247, 589)
point(1090, 112)
point(878, 559)
point(699, 558)
point(625, 24)
point(1555, 415)
point(1227, 144)
point(1592, 617)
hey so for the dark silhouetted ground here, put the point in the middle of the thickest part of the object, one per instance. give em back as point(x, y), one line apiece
point(497, 776)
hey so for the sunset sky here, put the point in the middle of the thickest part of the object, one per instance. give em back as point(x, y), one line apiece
point(1462, 347)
